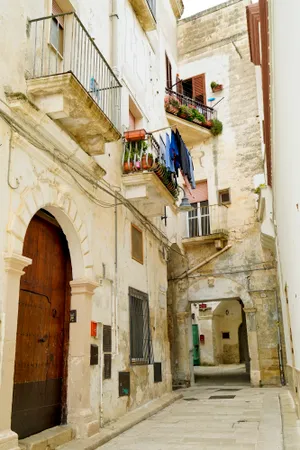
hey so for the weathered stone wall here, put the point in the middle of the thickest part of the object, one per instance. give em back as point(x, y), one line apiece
point(215, 42)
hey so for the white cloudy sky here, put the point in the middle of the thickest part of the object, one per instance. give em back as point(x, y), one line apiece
point(193, 6)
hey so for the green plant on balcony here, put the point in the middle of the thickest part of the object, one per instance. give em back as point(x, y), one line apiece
point(217, 127)
point(198, 117)
point(185, 112)
point(171, 104)
point(215, 87)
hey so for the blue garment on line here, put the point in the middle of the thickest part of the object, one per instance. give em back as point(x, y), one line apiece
point(174, 152)
point(192, 177)
point(169, 159)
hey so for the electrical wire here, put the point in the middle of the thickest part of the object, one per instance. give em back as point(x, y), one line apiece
point(109, 190)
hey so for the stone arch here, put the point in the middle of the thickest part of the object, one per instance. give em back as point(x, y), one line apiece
point(64, 209)
point(216, 289)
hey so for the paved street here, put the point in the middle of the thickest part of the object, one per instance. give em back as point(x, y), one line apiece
point(211, 417)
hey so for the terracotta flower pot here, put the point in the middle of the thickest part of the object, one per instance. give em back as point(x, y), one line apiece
point(172, 109)
point(147, 164)
point(135, 135)
point(183, 115)
point(128, 166)
point(208, 124)
point(218, 88)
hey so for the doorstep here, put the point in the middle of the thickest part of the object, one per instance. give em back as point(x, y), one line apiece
point(123, 424)
point(48, 439)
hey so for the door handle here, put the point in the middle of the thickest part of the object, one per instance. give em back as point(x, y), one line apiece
point(43, 339)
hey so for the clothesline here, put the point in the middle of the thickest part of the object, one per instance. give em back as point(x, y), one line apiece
point(161, 129)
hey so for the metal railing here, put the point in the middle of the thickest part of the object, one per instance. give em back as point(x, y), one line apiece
point(61, 44)
point(152, 6)
point(142, 155)
point(206, 220)
point(208, 112)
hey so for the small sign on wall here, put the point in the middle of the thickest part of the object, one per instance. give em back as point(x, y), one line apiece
point(73, 315)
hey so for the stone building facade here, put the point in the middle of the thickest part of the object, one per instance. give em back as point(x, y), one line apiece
point(61, 174)
point(226, 261)
point(273, 58)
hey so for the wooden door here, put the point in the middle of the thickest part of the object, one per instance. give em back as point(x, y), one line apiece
point(42, 333)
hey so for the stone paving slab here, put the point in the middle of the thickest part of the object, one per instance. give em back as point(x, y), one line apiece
point(251, 420)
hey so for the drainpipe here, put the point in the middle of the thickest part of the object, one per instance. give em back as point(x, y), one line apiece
point(280, 355)
point(116, 322)
point(115, 30)
point(207, 260)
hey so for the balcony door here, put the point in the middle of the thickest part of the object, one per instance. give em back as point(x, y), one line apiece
point(199, 218)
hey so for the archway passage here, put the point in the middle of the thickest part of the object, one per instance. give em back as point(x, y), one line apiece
point(222, 342)
point(39, 398)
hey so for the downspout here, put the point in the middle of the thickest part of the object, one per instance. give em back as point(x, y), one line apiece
point(116, 322)
point(207, 260)
point(115, 36)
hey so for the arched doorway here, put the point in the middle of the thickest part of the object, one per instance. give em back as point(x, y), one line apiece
point(39, 397)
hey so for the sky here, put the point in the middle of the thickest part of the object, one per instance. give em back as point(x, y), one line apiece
point(193, 6)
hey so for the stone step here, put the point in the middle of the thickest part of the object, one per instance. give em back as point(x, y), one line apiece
point(49, 439)
point(123, 424)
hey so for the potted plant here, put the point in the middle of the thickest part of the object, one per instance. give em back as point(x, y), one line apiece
point(217, 127)
point(185, 112)
point(171, 104)
point(147, 161)
point(216, 87)
point(198, 117)
point(128, 160)
point(135, 135)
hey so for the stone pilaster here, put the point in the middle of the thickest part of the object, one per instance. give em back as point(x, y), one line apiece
point(14, 265)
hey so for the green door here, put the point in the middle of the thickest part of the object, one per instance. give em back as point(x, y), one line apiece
point(196, 352)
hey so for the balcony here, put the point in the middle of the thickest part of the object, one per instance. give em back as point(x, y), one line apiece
point(148, 185)
point(206, 225)
point(192, 118)
point(70, 80)
point(145, 11)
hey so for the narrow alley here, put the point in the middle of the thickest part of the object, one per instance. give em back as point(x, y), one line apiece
point(235, 417)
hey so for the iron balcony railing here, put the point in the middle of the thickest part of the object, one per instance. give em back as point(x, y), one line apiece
point(142, 155)
point(152, 6)
point(148, 155)
point(208, 112)
point(61, 44)
point(206, 220)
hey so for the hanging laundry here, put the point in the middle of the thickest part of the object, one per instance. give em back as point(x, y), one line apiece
point(169, 160)
point(174, 152)
point(192, 174)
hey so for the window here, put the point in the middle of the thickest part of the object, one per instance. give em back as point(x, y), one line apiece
point(195, 88)
point(140, 334)
point(225, 335)
point(137, 251)
point(224, 197)
point(199, 218)
point(57, 29)
point(107, 349)
point(168, 73)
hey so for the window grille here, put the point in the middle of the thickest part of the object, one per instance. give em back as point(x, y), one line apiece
point(140, 334)
point(107, 349)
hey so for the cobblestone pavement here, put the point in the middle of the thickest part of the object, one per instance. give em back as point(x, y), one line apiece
point(241, 418)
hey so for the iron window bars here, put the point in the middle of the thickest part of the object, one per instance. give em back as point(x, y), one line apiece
point(140, 334)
